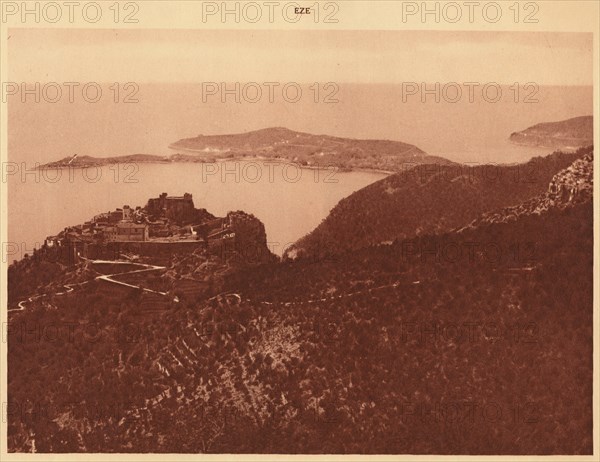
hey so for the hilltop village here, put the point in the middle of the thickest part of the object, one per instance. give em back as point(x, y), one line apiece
point(166, 225)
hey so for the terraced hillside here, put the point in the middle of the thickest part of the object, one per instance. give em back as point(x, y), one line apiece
point(470, 342)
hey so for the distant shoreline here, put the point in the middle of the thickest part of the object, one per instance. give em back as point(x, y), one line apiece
point(206, 160)
point(545, 146)
point(277, 145)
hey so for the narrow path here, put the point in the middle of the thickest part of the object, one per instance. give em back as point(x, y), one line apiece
point(69, 288)
point(105, 277)
point(148, 267)
point(350, 294)
point(109, 277)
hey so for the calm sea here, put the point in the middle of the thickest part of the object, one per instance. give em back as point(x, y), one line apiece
point(290, 202)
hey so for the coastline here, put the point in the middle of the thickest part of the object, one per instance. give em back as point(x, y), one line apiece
point(546, 146)
point(115, 161)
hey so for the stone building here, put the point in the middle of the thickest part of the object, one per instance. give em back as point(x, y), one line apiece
point(127, 213)
point(173, 207)
point(126, 231)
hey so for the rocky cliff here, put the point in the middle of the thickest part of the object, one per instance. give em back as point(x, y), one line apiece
point(572, 185)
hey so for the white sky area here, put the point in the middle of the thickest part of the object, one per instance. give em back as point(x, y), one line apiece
point(144, 56)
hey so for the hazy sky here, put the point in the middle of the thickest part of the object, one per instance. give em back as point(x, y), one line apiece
point(298, 55)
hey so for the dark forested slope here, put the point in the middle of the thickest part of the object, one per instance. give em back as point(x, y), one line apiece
point(428, 199)
point(470, 342)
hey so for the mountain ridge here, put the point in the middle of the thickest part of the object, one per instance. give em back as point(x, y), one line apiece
point(571, 186)
point(427, 200)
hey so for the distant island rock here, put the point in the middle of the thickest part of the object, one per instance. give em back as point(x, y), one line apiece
point(565, 134)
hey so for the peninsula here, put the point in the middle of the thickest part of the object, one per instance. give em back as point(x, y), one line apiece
point(278, 144)
point(566, 134)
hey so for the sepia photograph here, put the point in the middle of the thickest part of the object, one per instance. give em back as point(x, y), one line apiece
point(250, 229)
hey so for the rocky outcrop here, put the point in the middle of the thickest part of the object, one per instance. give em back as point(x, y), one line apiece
point(250, 238)
point(571, 186)
point(242, 241)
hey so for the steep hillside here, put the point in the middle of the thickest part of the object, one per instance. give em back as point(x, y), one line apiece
point(408, 348)
point(428, 199)
point(311, 150)
point(567, 134)
point(175, 231)
point(573, 185)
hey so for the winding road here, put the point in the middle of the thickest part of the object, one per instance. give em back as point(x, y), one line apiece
point(147, 267)
point(103, 277)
